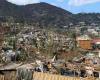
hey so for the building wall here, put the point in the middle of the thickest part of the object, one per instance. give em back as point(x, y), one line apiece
point(85, 44)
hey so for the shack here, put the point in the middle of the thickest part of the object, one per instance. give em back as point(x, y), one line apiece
point(8, 72)
point(84, 42)
point(14, 71)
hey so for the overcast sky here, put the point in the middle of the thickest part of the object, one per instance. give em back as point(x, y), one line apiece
point(74, 6)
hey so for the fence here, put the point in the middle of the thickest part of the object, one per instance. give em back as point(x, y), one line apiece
point(47, 76)
point(43, 76)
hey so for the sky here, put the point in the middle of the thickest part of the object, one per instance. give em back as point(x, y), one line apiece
point(74, 6)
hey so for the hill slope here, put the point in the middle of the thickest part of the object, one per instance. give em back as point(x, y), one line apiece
point(44, 14)
point(88, 18)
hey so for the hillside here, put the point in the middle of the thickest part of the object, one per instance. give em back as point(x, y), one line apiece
point(88, 17)
point(44, 14)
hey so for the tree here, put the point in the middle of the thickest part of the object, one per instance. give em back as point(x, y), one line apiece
point(73, 43)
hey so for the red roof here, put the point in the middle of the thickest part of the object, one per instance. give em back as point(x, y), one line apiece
point(96, 40)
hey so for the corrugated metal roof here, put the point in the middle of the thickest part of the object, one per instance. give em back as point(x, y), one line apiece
point(83, 37)
point(10, 66)
point(27, 66)
point(15, 66)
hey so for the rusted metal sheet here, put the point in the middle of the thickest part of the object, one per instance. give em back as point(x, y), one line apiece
point(1, 77)
point(10, 75)
point(85, 44)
